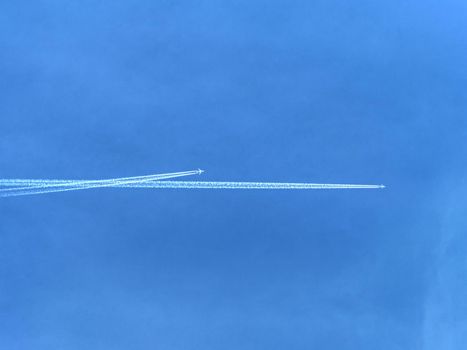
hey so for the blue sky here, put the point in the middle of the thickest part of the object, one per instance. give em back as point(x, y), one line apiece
point(310, 91)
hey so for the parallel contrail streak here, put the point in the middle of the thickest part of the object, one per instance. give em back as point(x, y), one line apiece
point(245, 185)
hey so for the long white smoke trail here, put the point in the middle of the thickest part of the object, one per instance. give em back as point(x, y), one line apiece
point(246, 185)
point(19, 187)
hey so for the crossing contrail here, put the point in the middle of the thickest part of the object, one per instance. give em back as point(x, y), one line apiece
point(22, 187)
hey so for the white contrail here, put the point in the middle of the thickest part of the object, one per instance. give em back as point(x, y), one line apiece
point(19, 187)
point(246, 185)
point(46, 183)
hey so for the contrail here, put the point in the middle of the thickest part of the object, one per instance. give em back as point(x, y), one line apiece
point(41, 182)
point(246, 185)
point(21, 187)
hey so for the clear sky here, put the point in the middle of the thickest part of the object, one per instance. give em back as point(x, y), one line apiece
point(309, 91)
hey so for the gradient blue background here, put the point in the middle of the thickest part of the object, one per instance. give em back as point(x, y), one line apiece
point(316, 91)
